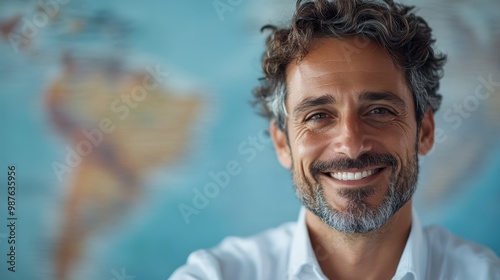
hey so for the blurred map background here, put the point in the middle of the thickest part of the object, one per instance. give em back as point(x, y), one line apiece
point(130, 126)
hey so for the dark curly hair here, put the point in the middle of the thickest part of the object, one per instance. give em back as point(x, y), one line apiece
point(406, 37)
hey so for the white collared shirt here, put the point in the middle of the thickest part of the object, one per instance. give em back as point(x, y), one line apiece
point(285, 252)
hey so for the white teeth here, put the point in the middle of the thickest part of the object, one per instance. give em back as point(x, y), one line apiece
point(350, 176)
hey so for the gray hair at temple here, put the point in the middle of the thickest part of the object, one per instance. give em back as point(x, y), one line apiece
point(406, 37)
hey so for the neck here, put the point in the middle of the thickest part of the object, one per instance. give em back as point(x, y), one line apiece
point(373, 255)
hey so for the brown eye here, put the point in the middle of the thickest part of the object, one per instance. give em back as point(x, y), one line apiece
point(317, 116)
point(380, 111)
point(381, 114)
point(319, 120)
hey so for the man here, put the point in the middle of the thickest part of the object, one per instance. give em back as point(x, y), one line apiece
point(350, 92)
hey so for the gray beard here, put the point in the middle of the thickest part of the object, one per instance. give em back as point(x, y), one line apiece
point(359, 216)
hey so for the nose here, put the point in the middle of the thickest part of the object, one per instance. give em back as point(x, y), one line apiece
point(350, 138)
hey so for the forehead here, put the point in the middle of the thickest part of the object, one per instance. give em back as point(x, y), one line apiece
point(346, 66)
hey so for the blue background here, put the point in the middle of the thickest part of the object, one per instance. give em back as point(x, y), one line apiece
point(214, 57)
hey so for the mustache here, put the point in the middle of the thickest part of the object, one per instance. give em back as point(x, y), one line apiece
point(363, 161)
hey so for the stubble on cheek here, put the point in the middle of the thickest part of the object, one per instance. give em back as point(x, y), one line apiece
point(305, 188)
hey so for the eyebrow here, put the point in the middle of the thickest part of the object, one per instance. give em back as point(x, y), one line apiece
point(385, 96)
point(312, 102)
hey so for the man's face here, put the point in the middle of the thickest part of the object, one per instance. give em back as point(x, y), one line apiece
point(352, 135)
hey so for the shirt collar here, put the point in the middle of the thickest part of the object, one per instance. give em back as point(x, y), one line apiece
point(303, 261)
point(414, 258)
point(302, 258)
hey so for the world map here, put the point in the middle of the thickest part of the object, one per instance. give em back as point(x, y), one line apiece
point(116, 114)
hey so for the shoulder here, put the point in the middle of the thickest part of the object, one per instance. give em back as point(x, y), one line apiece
point(261, 256)
point(456, 258)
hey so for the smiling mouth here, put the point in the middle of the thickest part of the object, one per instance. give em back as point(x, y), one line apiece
point(353, 176)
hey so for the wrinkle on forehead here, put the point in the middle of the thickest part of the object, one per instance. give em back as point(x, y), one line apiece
point(325, 70)
point(337, 58)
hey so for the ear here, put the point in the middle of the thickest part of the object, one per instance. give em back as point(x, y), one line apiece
point(280, 145)
point(426, 137)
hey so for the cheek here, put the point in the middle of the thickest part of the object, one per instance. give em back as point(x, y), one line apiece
point(403, 145)
point(310, 146)
point(400, 137)
point(407, 142)
point(400, 145)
